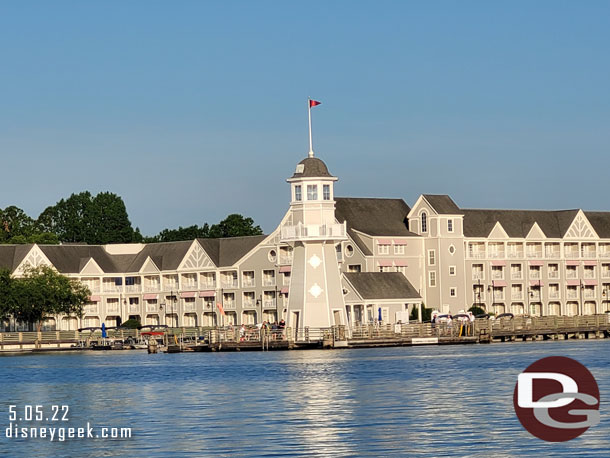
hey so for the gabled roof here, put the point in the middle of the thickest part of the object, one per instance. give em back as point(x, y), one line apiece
point(443, 204)
point(165, 255)
point(517, 223)
point(382, 285)
point(375, 217)
point(227, 251)
point(600, 222)
point(12, 255)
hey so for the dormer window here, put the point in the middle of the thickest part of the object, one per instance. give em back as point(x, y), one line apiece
point(297, 193)
point(449, 225)
point(326, 192)
point(312, 192)
point(424, 222)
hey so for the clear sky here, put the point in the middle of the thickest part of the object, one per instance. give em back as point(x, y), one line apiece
point(191, 110)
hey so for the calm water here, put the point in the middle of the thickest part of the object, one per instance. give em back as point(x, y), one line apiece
point(425, 401)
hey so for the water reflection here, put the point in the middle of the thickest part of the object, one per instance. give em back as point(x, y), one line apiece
point(429, 401)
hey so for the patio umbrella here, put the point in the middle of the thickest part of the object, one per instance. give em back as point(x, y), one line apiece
point(104, 335)
point(379, 313)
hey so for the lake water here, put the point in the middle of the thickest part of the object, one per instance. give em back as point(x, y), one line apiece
point(409, 401)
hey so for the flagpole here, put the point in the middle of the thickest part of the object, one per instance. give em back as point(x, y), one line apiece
point(309, 113)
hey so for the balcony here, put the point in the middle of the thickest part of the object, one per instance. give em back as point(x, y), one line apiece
point(535, 275)
point(152, 288)
point(189, 307)
point(478, 276)
point(517, 296)
point(133, 288)
point(229, 284)
point(249, 304)
point(269, 281)
point(247, 282)
point(190, 287)
point(553, 274)
point(151, 307)
point(134, 308)
point(572, 254)
point(170, 286)
point(313, 232)
point(534, 254)
point(553, 254)
point(208, 285)
point(589, 254)
point(516, 276)
point(496, 254)
point(112, 288)
point(269, 304)
point(571, 294)
point(476, 255)
point(228, 306)
point(553, 294)
point(515, 254)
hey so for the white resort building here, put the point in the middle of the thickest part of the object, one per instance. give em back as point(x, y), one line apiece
point(344, 261)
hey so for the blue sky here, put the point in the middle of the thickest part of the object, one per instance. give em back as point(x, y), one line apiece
point(192, 110)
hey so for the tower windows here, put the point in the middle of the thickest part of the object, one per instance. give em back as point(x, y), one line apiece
point(297, 193)
point(312, 192)
point(326, 192)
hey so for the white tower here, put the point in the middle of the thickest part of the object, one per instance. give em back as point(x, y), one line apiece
point(316, 294)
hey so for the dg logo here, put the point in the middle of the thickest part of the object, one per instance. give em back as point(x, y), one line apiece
point(556, 399)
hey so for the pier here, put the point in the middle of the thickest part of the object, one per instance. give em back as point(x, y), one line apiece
point(372, 335)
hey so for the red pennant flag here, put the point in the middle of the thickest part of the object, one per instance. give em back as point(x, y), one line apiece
point(220, 308)
point(313, 103)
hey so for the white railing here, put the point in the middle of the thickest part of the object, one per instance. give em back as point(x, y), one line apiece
point(572, 254)
point(496, 254)
point(248, 304)
point(516, 276)
point(133, 308)
point(151, 307)
point(478, 276)
point(553, 294)
point(313, 231)
point(112, 289)
point(517, 296)
point(476, 255)
point(534, 254)
point(285, 259)
point(604, 254)
point(133, 288)
point(269, 303)
point(189, 307)
point(151, 288)
point(553, 254)
point(515, 254)
point(553, 274)
point(208, 285)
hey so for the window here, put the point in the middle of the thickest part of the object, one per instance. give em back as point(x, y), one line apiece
point(452, 271)
point(449, 225)
point(431, 257)
point(399, 249)
point(247, 278)
point(134, 301)
point(516, 272)
point(297, 193)
point(477, 272)
point(326, 192)
point(349, 251)
point(268, 277)
point(354, 268)
point(312, 192)
point(451, 250)
point(272, 256)
point(453, 292)
point(432, 279)
point(497, 272)
point(424, 222)
point(384, 249)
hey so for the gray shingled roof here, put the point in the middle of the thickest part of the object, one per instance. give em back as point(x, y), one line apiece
point(517, 223)
point(165, 255)
point(376, 217)
point(313, 167)
point(443, 204)
point(227, 251)
point(382, 285)
point(600, 222)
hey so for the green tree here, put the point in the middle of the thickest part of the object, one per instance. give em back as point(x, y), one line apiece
point(6, 294)
point(235, 225)
point(476, 310)
point(426, 314)
point(14, 222)
point(42, 292)
point(68, 218)
point(108, 220)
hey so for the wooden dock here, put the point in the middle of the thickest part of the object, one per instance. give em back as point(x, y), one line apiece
point(373, 335)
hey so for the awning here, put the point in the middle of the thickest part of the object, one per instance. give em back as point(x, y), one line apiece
point(209, 293)
point(536, 263)
point(284, 269)
point(498, 283)
point(150, 297)
point(400, 242)
point(536, 283)
point(573, 282)
point(400, 263)
point(572, 263)
point(188, 294)
point(384, 241)
point(95, 298)
point(284, 290)
point(385, 263)
point(590, 282)
point(590, 263)
point(498, 263)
